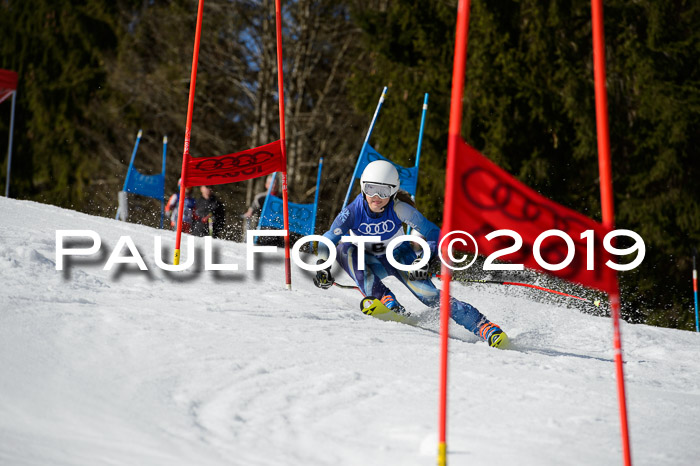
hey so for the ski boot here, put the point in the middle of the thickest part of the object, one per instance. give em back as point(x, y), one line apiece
point(494, 336)
point(391, 303)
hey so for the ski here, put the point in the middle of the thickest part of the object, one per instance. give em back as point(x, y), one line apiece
point(372, 306)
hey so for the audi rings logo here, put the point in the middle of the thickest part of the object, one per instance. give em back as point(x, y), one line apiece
point(296, 211)
point(230, 166)
point(485, 190)
point(376, 228)
point(240, 161)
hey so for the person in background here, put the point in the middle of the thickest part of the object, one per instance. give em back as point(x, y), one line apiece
point(209, 215)
point(188, 213)
point(377, 211)
point(255, 208)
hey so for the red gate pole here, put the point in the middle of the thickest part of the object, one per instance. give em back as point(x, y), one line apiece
point(606, 197)
point(188, 129)
point(458, 70)
point(9, 145)
point(283, 143)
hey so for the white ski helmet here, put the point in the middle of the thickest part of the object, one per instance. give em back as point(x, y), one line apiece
point(380, 172)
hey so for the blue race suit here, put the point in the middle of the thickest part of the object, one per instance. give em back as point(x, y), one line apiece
point(359, 220)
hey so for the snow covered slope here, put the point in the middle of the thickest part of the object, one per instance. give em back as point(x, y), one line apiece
point(127, 367)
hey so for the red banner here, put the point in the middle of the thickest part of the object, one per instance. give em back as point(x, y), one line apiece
point(487, 199)
point(230, 168)
point(8, 83)
point(8, 80)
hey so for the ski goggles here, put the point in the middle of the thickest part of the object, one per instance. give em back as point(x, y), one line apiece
point(381, 190)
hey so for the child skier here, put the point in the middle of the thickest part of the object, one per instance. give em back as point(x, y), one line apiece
point(377, 212)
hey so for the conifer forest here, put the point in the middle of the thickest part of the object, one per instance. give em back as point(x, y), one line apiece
point(94, 72)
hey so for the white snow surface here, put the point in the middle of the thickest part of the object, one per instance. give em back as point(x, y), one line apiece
point(131, 367)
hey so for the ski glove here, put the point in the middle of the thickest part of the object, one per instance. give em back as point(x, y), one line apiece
point(323, 278)
point(421, 274)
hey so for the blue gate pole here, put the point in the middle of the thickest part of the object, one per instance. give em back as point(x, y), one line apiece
point(420, 144)
point(264, 206)
point(364, 145)
point(422, 126)
point(318, 189)
point(131, 165)
point(162, 199)
point(695, 289)
point(269, 191)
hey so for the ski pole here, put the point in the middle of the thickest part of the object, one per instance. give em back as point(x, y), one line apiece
point(349, 287)
point(596, 302)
